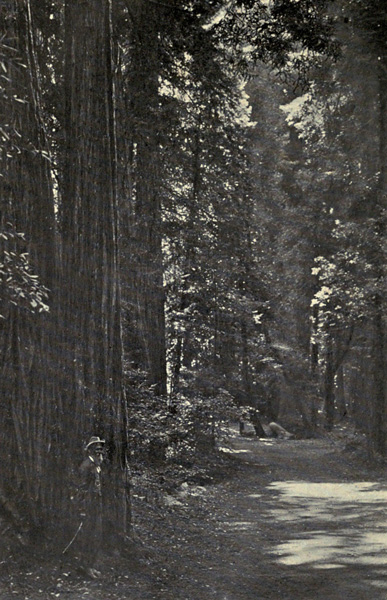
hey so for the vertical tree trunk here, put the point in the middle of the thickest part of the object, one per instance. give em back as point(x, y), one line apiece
point(329, 382)
point(246, 377)
point(379, 350)
point(379, 381)
point(182, 352)
point(147, 209)
point(95, 401)
point(340, 393)
point(27, 415)
point(314, 351)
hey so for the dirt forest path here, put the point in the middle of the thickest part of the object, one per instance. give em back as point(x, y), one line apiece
point(297, 520)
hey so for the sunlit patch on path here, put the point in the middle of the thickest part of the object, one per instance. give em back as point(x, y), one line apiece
point(344, 523)
point(234, 451)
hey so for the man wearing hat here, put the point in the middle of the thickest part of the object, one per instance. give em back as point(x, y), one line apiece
point(90, 505)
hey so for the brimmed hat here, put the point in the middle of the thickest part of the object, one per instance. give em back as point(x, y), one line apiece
point(94, 440)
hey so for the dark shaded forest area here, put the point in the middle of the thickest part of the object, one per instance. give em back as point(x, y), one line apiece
point(192, 223)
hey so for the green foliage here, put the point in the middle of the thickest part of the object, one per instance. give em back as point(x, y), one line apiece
point(150, 426)
point(347, 287)
point(339, 174)
point(204, 418)
point(19, 286)
point(291, 36)
point(175, 430)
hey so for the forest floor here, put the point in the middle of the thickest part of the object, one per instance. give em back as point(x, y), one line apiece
point(286, 520)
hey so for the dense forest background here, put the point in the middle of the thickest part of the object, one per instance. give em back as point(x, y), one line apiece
point(192, 221)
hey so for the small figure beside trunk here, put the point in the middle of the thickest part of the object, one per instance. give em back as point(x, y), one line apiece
point(88, 496)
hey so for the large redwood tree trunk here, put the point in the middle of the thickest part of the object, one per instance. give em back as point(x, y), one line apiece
point(94, 399)
point(146, 294)
point(27, 382)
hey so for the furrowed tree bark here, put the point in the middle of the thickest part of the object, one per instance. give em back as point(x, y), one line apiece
point(27, 415)
point(95, 401)
point(147, 208)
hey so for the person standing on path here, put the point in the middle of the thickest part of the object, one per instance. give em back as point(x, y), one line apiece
point(90, 505)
